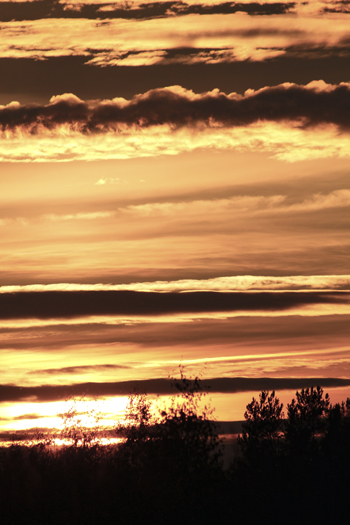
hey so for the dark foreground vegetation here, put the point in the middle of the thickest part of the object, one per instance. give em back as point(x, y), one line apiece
point(293, 468)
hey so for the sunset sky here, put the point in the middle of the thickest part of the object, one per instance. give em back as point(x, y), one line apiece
point(174, 189)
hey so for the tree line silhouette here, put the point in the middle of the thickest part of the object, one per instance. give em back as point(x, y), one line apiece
point(168, 468)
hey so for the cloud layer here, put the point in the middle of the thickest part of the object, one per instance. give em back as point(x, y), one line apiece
point(221, 257)
point(298, 122)
point(218, 284)
point(205, 34)
point(35, 10)
point(9, 393)
point(46, 305)
point(311, 105)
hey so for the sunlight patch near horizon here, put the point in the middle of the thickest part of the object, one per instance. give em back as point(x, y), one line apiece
point(226, 407)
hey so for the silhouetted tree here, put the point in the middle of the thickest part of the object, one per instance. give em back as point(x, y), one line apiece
point(257, 470)
point(306, 420)
point(336, 450)
point(262, 429)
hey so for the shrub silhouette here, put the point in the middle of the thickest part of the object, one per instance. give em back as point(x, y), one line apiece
point(76, 431)
point(175, 451)
point(181, 420)
point(181, 435)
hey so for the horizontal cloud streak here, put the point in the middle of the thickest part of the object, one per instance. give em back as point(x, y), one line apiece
point(271, 333)
point(77, 369)
point(218, 284)
point(43, 393)
point(209, 38)
point(46, 305)
point(224, 210)
point(292, 121)
point(311, 105)
point(284, 142)
point(34, 10)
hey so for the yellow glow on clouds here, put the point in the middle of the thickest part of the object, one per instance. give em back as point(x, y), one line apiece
point(237, 36)
point(218, 284)
point(283, 141)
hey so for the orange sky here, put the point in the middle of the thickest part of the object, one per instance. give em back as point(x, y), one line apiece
point(198, 160)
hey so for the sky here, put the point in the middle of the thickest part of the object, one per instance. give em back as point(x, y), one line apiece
point(174, 189)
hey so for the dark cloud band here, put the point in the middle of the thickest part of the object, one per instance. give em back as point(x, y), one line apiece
point(11, 393)
point(42, 78)
point(78, 369)
point(310, 105)
point(36, 10)
point(46, 305)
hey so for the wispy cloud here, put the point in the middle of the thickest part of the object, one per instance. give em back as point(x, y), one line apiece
point(241, 205)
point(236, 36)
point(109, 180)
point(77, 369)
point(78, 216)
point(219, 284)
